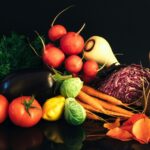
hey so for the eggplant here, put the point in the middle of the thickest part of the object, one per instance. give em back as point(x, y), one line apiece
point(28, 82)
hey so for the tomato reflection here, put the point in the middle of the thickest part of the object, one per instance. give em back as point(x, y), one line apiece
point(4, 142)
point(63, 136)
point(25, 138)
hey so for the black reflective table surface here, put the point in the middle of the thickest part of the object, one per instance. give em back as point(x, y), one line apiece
point(61, 136)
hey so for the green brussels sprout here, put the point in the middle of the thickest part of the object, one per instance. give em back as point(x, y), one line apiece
point(74, 113)
point(71, 87)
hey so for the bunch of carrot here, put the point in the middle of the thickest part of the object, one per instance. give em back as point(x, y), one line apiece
point(95, 102)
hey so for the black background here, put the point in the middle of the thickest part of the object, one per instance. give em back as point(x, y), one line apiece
point(124, 23)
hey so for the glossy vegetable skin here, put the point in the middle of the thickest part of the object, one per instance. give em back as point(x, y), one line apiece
point(28, 82)
point(3, 108)
point(25, 111)
point(53, 108)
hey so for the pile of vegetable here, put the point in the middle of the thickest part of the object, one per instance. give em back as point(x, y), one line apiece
point(83, 80)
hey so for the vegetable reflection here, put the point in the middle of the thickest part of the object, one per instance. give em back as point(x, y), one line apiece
point(4, 144)
point(63, 136)
point(25, 138)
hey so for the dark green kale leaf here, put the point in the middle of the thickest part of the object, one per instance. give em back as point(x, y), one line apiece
point(16, 54)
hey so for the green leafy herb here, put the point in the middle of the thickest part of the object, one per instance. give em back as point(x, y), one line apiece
point(15, 54)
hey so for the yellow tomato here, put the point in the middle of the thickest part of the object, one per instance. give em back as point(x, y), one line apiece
point(53, 108)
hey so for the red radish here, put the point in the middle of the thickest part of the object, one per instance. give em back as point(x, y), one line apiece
point(57, 31)
point(73, 64)
point(49, 45)
point(53, 56)
point(72, 43)
point(90, 68)
point(86, 78)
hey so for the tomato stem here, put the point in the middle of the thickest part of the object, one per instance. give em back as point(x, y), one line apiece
point(27, 104)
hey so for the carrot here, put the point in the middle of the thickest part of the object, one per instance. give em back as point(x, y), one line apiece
point(101, 105)
point(107, 112)
point(88, 107)
point(93, 116)
point(89, 100)
point(111, 125)
point(91, 91)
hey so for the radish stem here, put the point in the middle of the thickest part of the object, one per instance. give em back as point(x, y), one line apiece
point(81, 28)
point(33, 49)
point(42, 41)
point(52, 24)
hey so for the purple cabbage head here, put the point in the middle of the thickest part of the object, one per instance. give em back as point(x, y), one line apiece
point(126, 83)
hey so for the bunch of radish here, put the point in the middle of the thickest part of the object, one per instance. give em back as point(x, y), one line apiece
point(69, 54)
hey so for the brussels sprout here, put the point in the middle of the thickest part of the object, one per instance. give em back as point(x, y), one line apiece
point(71, 87)
point(74, 113)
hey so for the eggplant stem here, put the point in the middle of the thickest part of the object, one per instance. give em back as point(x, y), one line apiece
point(52, 24)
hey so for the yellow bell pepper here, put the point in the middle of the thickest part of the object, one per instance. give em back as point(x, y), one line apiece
point(53, 108)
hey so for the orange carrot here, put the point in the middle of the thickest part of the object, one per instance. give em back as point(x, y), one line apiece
point(91, 91)
point(101, 105)
point(107, 112)
point(88, 107)
point(111, 125)
point(93, 116)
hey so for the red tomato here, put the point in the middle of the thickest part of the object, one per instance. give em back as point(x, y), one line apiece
point(3, 108)
point(25, 111)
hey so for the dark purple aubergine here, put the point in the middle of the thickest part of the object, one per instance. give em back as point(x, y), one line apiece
point(28, 82)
